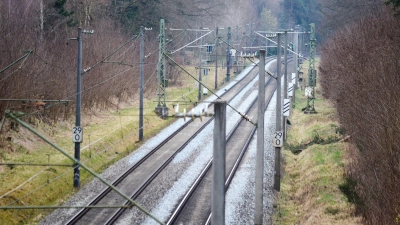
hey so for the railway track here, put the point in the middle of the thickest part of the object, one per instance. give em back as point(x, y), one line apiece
point(195, 206)
point(139, 176)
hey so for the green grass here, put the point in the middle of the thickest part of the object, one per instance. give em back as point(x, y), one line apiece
point(314, 158)
point(54, 184)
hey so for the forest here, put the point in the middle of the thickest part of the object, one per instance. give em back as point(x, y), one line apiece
point(38, 54)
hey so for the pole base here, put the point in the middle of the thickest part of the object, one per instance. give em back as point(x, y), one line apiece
point(310, 112)
point(162, 112)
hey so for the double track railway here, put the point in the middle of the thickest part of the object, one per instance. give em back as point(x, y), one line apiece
point(195, 206)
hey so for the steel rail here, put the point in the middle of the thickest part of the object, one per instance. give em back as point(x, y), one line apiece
point(106, 191)
point(175, 215)
point(115, 217)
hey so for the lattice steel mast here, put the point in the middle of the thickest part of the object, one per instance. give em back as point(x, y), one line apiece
point(312, 73)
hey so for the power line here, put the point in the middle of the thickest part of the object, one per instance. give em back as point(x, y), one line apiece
point(96, 64)
point(22, 58)
point(47, 63)
point(269, 73)
point(233, 108)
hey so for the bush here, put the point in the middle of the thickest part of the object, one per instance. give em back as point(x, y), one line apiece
point(49, 72)
point(360, 72)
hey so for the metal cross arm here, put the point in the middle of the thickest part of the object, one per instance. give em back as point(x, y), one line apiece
point(241, 114)
point(40, 103)
point(269, 73)
point(108, 56)
point(277, 43)
point(209, 32)
point(13, 116)
point(252, 40)
point(166, 55)
point(281, 32)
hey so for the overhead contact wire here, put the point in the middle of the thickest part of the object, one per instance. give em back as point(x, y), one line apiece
point(233, 108)
point(269, 73)
point(108, 56)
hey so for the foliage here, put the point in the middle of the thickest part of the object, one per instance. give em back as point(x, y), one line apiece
point(46, 27)
point(349, 189)
point(49, 73)
point(339, 13)
point(299, 12)
point(133, 14)
point(359, 72)
point(268, 20)
point(59, 5)
point(395, 4)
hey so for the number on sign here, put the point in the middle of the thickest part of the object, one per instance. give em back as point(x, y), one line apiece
point(77, 134)
point(278, 136)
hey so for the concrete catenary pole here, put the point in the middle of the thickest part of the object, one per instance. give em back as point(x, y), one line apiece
point(296, 61)
point(285, 79)
point(228, 57)
point(237, 46)
point(218, 166)
point(141, 84)
point(200, 62)
point(277, 176)
point(77, 152)
point(258, 213)
point(216, 58)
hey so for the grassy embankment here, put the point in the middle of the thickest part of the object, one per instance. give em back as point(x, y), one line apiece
point(314, 159)
point(108, 137)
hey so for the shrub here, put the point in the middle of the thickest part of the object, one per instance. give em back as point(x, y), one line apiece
point(359, 71)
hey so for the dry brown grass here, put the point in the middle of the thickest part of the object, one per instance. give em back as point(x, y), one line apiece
point(109, 135)
point(310, 191)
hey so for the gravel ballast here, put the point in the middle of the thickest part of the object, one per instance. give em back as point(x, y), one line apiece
point(182, 171)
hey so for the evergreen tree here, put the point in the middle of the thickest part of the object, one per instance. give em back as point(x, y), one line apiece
point(395, 5)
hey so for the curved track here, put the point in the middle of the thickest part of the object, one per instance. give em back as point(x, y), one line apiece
point(195, 206)
point(139, 176)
